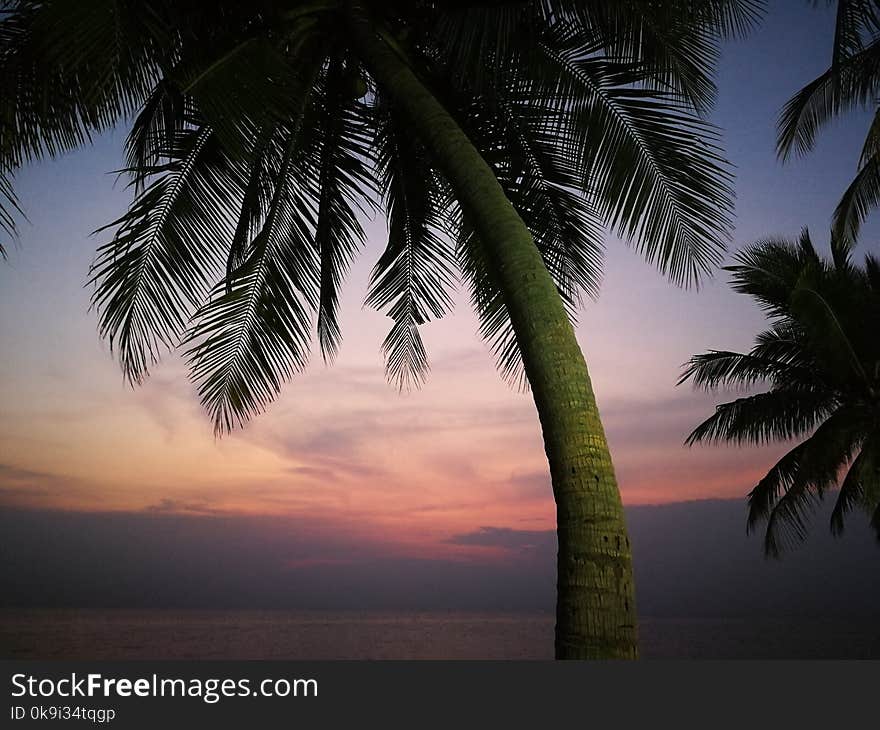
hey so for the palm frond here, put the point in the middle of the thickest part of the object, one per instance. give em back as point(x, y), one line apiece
point(480, 42)
point(487, 299)
point(723, 369)
point(242, 86)
point(254, 333)
point(69, 70)
point(852, 84)
point(676, 42)
point(9, 208)
point(784, 341)
point(415, 273)
point(168, 246)
point(164, 115)
point(342, 145)
point(771, 269)
point(764, 496)
point(786, 495)
point(871, 145)
point(859, 486)
point(825, 328)
point(539, 182)
point(256, 199)
point(538, 179)
point(652, 167)
point(861, 196)
point(777, 415)
point(854, 18)
point(72, 69)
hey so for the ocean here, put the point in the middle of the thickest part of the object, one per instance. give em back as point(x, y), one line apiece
point(312, 635)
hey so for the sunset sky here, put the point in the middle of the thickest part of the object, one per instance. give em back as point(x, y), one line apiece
point(341, 452)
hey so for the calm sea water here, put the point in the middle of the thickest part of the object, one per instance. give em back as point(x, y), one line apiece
point(130, 634)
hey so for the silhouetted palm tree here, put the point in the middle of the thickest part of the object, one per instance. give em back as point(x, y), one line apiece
point(852, 81)
point(498, 137)
point(821, 359)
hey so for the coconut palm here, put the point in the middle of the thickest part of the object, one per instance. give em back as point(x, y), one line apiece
point(499, 138)
point(852, 81)
point(821, 360)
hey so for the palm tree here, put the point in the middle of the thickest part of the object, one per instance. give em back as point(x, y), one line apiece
point(499, 137)
point(852, 81)
point(821, 360)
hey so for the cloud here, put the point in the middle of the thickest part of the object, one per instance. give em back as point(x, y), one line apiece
point(166, 558)
point(23, 491)
point(324, 474)
point(640, 423)
point(691, 559)
point(169, 399)
point(506, 537)
point(15, 474)
point(462, 359)
point(177, 506)
point(19, 485)
point(531, 484)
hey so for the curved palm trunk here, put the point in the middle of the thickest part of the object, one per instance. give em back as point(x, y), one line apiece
point(595, 613)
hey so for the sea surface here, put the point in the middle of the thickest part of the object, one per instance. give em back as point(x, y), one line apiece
point(312, 635)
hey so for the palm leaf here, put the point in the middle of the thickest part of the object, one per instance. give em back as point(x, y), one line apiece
point(517, 141)
point(653, 168)
point(342, 146)
point(242, 86)
point(256, 199)
point(163, 116)
point(758, 419)
point(9, 207)
point(771, 269)
point(826, 332)
point(860, 485)
point(480, 42)
point(255, 331)
point(157, 269)
point(69, 70)
point(678, 41)
point(415, 273)
point(853, 18)
point(719, 368)
point(861, 196)
point(487, 299)
point(787, 494)
point(784, 341)
point(853, 83)
point(539, 181)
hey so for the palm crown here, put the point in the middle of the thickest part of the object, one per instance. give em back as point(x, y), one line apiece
point(821, 359)
point(258, 138)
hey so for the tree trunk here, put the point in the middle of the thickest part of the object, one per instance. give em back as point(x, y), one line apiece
point(595, 609)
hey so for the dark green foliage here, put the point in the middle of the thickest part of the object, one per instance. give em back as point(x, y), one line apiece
point(258, 139)
point(852, 81)
point(821, 361)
